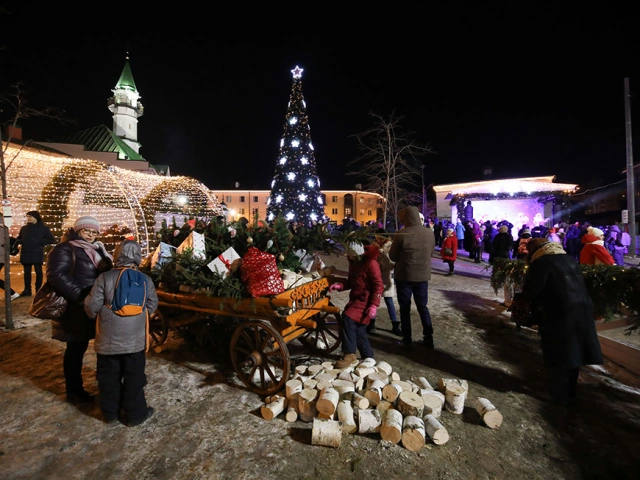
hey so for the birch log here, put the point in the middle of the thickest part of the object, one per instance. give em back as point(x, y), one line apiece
point(384, 367)
point(391, 391)
point(443, 382)
point(367, 362)
point(328, 401)
point(433, 402)
point(326, 432)
point(422, 383)
point(273, 409)
point(291, 415)
point(377, 377)
point(437, 433)
point(394, 377)
point(368, 421)
point(346, 416)
point(346, 374)
point(327, 365)
point(343, 386)
point(307, 404)
point(454, 398)
point(301, 370)
point(311, 383)
point(360, 402)
point(391, 427)
point(292, 390)
point(383, 406)
point(410, 404)
point(363, 372)
point(314, 370)
point(413, 433)
point(490, 415)
point(374, 392)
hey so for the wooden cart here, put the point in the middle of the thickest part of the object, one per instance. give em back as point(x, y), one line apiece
point(258, 347)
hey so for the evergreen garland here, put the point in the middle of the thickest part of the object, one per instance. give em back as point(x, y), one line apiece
point(614, 290)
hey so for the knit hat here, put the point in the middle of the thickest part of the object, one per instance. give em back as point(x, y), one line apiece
point(526, 231)
point(86, 222)
point(357, 248)
point(596, 232)
point(561, 230)
point(35, 215)
point(449, 230)
point(503, 229)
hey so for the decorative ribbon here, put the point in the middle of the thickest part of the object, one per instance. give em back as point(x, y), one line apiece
point(225, 261)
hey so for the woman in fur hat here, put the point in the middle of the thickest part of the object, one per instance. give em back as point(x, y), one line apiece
point(72, 269)
point(564, 314)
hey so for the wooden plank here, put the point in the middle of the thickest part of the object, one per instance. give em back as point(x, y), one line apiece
point(620, 353)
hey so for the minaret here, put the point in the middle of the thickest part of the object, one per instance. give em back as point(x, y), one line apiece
point(126, 108)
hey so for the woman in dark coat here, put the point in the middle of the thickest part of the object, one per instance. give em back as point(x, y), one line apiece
point(72, 269)
point(502, 244)
point(565, 317)
point(33, 237)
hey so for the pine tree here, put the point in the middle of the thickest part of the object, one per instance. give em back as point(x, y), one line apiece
point(295, 189)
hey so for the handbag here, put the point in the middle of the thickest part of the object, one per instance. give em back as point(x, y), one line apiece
point(259, 273)
point(448, 252)
point(522, 311)
point(48, 304)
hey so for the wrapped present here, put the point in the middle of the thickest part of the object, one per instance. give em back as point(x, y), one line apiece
point(194, 241)
point(162, 255)
point(224, 263)
point(310, 262)
point(259, 273)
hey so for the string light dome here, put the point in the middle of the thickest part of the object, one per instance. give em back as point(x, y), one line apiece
point(63, 189)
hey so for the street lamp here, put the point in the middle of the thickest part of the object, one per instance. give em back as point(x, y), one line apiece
point(424, 213)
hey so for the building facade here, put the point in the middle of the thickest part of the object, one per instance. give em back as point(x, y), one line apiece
point(362, 206)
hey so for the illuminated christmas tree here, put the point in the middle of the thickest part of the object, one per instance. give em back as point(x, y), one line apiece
point(295, 189)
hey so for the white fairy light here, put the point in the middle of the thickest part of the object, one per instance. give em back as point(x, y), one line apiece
point(283, 160)
point(293, 120)
point(302, 197)
point(291, 176)
point(311, 146)
point(311, 183)
point(295, 143)
point(304, 160)
point(290, 216)
point(278, 198)
point(320, 200)
point(282, 142)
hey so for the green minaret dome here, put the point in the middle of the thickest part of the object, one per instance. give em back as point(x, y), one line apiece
point(126, 78)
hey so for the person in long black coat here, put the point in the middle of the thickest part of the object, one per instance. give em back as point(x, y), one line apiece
point(33, 237)
point(72, 268)
point(564, 314)
point(502, 244)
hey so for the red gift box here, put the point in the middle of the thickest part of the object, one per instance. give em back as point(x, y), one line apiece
point(259, 273)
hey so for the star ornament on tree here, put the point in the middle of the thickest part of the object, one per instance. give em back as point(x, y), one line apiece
point(297, 72)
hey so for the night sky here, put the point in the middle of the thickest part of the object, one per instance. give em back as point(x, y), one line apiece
point(527, 92)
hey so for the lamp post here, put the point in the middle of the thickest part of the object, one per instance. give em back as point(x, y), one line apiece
point(424, 213)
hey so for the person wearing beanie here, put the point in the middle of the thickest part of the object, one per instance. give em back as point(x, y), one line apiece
point(366, 287)
point(521, 250)
point(449, 250)
point(563, 311)
point(552, 236)
point(593, 251)
point(33, 237)
point(386, 271)
point(72, 268)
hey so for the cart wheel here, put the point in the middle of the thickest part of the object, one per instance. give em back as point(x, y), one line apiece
point(327, 336)
point(158, 329)
point(260, 357)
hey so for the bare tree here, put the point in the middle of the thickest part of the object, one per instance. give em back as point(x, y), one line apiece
point(13, 108)
point(390, 163)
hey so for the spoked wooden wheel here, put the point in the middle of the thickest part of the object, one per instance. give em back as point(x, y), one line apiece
point(260, 357)
point(327, 336)
point(158, 329)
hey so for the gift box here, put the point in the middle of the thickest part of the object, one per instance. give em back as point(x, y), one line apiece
point(223, 263)
point(195, 241)
point(259, 273)
point(162, 255)
point(310, 262)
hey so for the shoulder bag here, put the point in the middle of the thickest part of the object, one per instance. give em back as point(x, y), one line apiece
point(47, 303)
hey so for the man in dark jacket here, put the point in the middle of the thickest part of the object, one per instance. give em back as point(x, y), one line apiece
point(33, 237)
point(121, 342)
point(564, 314)
point(411, 250)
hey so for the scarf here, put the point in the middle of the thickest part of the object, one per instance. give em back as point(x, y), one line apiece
point(550, 248)
point(95, 251)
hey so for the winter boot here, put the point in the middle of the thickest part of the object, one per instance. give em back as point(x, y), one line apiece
point(395, 329)
point(348, 360)
point(371, 328)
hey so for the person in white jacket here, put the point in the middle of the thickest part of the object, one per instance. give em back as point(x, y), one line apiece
point(121, 342)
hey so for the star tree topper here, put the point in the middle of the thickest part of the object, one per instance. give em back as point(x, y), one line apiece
point(297, 72)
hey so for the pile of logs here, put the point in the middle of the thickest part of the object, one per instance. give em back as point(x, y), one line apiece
point(371, 398)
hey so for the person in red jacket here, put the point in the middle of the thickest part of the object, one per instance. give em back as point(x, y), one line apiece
point(449, 243)
point(593, 251)
point(365, 292)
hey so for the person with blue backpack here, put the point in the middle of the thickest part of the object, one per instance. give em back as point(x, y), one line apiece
point(121, 301)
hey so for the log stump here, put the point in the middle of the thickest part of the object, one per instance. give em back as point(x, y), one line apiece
point(391, 427)
point(454, 398)
point(410, 404)
point(307, 404)
point(490, 415)
point(273, 409)
point(346, 416)
point(437, 433)
point(413, 433)
point(326, 432)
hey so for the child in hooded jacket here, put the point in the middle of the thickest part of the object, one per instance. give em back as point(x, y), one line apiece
point(365, 286)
